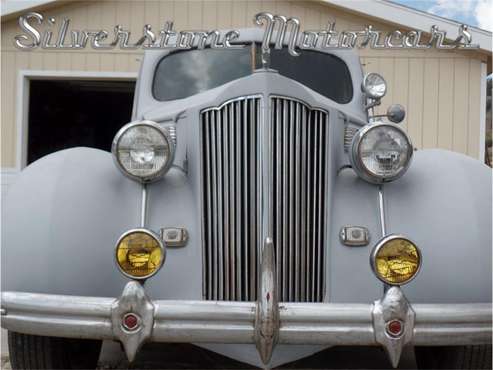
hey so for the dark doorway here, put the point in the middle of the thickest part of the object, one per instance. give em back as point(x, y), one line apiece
point(69, 113)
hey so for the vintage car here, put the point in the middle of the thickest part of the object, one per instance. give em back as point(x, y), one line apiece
point(255, 206)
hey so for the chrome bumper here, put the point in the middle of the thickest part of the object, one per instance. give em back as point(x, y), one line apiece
point(264, 323)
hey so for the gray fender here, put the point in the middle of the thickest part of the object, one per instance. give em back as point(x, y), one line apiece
point(444, 204)
point(64, 213)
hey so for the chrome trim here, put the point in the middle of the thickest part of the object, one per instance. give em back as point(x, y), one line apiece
point(346, 237)
point(381, 209)
point(300, 137)
point(231, 198)
point(364, 87)
point(167, 137)
point(267, 313)
point(355, 157)
point(234, 322)
point(380, 244)
point(172, 132)
point(153, 235)
point(143, 208)
point(133, 300)
point(272, 203)
point(174, 237)
point(393, 306)
point(349, 133)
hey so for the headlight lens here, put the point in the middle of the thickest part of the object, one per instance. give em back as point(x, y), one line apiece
point(140, 253)
point(381, 152)
point(374, 85)
point(143, 150)
point(395, 260)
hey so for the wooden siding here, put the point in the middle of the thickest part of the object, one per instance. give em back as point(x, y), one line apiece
point(440, 90)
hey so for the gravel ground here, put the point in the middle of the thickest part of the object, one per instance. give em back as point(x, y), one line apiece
point(185, 356)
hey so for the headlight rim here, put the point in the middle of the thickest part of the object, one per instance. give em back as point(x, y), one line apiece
point(153, 235)
point(357, 163)
point(380, 244)
point(365, 89)
point(143, 179)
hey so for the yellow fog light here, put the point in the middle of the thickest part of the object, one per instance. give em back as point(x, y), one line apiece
point(139, 253)
point(395, 260)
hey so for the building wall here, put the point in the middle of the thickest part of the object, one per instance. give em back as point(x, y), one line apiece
point(440, 90)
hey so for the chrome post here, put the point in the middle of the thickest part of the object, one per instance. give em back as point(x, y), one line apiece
point(143, 214)
point(381, 206)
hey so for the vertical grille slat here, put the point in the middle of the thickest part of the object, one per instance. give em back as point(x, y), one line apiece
point(226, 220)
point(250, 112)
point(284, 214)
point(232, 224)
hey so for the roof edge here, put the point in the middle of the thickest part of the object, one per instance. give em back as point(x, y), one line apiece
point(411, 18)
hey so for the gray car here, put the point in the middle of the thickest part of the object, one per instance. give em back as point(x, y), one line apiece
point(255, 206)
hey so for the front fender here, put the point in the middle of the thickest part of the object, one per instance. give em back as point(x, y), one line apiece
point(64, 213)
point(444, 204)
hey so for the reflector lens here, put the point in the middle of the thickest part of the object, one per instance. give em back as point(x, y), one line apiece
point(394, 328)
point(139, 254)
point(130, 321)
point(396, 260)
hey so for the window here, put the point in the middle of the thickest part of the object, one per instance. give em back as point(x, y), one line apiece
point(186, 73)
point(323, 73)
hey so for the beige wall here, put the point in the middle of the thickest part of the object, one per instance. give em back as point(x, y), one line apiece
point(440, 90)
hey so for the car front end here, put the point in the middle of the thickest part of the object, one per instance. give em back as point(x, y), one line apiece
point(262, 214)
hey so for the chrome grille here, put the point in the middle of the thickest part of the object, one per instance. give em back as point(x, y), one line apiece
point(231, 163)
point(230, 174)
point(300, 141)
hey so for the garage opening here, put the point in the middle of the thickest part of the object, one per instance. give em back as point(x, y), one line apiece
point(69, 113)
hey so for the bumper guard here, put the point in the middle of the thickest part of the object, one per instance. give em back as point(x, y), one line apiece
point(264, 323)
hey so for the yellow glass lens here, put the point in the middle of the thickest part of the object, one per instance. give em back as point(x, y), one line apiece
point(139, 254)
point(397, 261)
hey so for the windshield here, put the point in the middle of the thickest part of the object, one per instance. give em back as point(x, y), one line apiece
point(186, 73)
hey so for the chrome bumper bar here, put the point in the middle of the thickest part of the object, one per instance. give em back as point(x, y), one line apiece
point(264, 323)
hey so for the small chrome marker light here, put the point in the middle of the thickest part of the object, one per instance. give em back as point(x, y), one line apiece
point(374, 86)
point(143, 150)
point(139, 254)
point(381, 152)
point(395, 260)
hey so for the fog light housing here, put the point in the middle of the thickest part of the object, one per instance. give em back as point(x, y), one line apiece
point(395, 260)
point(139, 254)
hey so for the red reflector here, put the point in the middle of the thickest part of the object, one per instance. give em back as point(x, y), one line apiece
point(130, 321)
point(394, 328)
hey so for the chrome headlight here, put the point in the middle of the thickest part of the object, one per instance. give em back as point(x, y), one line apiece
point(374, 85)
point(143, 150)
point(381, 152)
